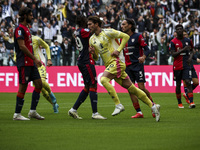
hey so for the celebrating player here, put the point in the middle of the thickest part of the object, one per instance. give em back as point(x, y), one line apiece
point(103, 42)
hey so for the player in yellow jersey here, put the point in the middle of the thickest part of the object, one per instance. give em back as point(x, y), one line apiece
point(103, 42)
point(46, 90)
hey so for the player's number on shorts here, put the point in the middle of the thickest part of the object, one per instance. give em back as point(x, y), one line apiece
point(140, 74)
point(79, 44)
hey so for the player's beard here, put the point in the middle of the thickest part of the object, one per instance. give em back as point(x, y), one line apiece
point(28, 20)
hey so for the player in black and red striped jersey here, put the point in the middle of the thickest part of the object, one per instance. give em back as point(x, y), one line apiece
point(27, 66)
point(182, 51)
point(87, 68)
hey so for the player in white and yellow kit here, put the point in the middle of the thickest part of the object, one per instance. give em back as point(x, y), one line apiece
point(103, 42)
point(46, 90)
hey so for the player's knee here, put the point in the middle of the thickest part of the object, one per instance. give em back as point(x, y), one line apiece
point(104, 80)
point(195, 82)
point(86, 89)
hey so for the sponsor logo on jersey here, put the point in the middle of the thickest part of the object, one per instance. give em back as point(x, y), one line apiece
point(130, 53)
point(182, 53)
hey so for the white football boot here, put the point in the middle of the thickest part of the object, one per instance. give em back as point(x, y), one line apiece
point(156, 110)
point(18, 116)
point(34, 114)
point(74, 114)
point(98, 116)
point(118, 108)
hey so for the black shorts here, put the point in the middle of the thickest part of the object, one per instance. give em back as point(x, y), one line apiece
point(194, 74)
point(27, 74)
point(182, 74)
point(134, 75)
point(89, 74)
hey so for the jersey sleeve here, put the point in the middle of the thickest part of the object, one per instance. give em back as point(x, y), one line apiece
point(96, 51)
point(19, 33)
point(143, 45)
point(112, 33)
point(172, 46)
point(85, 33)
point(46, 46)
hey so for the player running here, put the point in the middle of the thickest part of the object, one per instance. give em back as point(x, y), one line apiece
point(103, 42)
point(135, 52)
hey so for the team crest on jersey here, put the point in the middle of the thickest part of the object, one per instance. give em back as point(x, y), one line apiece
point(132, 40)
point(87, 30)
point(19, 32)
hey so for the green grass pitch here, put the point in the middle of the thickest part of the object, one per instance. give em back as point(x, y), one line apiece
point(177, 129)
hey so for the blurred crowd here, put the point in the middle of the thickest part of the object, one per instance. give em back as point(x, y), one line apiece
point(54, 22)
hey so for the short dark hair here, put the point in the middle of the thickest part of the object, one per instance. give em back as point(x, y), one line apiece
point(23, 11)
point(179, 25)
point(95, 19)
point(132, 22)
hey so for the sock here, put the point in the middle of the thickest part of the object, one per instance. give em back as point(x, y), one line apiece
point(19, 102)
point(178, 96)
point(50, 97)
point(53, 98)
point(137, 107)
point(190, 97)
point(82, 97)
point(35, 98)
point(185, 90)
point(46, 95)
point(140, 94)
point(194, 86)
point(93, 99)
point(111, 90)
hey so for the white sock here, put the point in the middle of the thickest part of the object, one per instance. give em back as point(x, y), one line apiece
point(72, 109)
point(95, 113)
point(32, 111)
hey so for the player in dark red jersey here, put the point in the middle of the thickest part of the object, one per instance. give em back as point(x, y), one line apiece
point(135, 52)
point(87, 68)
point(27, 66)
point(182, 51)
